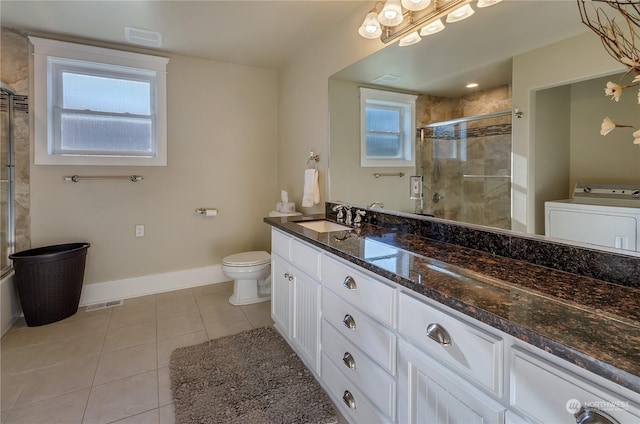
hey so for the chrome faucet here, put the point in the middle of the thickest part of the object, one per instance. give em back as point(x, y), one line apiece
point(349, 216)
point(340, 210)
point(376, 204)
point(357, 221)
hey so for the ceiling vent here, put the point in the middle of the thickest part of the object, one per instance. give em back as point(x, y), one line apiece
point(143, 37)
point(386, 79)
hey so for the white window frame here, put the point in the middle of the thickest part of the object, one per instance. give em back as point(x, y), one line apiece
point(407, 103)
point(50, 53)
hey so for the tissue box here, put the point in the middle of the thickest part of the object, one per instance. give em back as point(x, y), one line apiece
point(285, 207)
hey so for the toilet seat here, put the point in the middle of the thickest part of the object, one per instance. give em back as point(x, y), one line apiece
point(247, 259)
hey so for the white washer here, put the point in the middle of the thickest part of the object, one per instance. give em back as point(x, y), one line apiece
point(603, 215)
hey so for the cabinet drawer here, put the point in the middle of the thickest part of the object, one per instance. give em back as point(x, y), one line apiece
point(306, 258)
point(548, 394)
point(344, 392)
point(471, 351)
point(369, 377)
point(281, 244)
point(362, 291)
point(368, 335)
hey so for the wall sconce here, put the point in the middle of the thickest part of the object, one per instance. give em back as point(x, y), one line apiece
point(410, 19)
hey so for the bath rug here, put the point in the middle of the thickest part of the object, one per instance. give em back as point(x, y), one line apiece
point(251, 377)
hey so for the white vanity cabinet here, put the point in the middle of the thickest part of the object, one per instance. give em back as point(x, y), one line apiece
point(385, 353)
point(295, 296)
point(359, 342)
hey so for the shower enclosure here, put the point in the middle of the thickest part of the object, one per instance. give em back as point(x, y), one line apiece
point(7, 187)
point(466, 166)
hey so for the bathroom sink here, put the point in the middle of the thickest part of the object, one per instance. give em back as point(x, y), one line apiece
point(323, 226)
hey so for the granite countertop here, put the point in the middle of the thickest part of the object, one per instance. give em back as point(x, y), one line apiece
point(591, 323)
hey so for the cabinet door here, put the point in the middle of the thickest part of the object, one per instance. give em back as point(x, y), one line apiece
point(429, 393)
point(280, 295)
point(305, 331)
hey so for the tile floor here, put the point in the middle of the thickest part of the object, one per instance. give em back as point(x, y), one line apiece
point(111, 365)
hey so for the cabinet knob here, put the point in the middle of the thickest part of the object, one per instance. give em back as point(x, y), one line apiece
point(288, 276)
point(593, 416)
point(349, 322)
point(350, 283)
point(349, 400)
point(349, 361)
point(437, 333)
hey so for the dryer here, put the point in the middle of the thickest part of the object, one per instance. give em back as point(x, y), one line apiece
point(600, 214)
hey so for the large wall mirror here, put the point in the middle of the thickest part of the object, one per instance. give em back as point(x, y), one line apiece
point(481, 162)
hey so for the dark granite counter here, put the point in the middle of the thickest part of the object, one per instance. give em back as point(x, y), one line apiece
point(591, 323)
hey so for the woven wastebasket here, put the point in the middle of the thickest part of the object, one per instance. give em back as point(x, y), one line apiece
point(49, 281)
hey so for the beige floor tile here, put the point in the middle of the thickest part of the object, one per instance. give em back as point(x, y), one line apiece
point(91, 325)
point(173, 296)
point(15, 361)
point(126, 362)
point(149, 417)
point(216, 331)
point(179, 325)
point(258, 314)
point(70, 348)
point(136, 314)
point(167, 414)
point(122, 398)
point(22, 336)
point(59, 379)
point(67, 409)
point(132, 335)
point(224, 313)
point(167, 346)
point(177, 307)
point(226, 287)
point(138, 301)
point(83, 313)
point(12, 386)
point(214, 300)
point(165, 396)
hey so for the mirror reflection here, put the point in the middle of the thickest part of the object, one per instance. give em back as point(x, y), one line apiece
point(491, 155)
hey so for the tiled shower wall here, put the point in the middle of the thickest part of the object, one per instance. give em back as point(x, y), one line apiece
point(467, 166)
point(14, 71)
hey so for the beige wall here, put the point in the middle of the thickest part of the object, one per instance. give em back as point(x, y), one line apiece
point(304, 102)
point(572, 60)
point(222, 153)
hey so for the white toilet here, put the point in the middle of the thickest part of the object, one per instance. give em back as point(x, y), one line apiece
point(251, 272)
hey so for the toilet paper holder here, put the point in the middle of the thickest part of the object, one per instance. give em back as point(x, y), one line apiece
point(206, 211)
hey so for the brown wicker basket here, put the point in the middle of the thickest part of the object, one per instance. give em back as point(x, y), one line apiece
point(49, 281)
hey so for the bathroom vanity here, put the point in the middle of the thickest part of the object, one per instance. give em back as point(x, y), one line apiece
point(404, 329)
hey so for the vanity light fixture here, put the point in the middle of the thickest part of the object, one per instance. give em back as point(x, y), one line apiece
point(407, 20)
point(472, 85)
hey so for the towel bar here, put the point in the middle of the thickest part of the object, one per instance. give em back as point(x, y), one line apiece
point(76, 178)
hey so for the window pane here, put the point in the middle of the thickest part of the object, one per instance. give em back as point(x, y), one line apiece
point(102, 94)
point(383, 120)
point(91, 134)
point(384, 145)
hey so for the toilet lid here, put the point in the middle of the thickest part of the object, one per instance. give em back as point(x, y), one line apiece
point(247, 258)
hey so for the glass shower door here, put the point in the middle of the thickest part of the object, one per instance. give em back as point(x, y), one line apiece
point(7, 227)
point(466, 165)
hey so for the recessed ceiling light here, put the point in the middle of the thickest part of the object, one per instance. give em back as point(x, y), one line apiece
point(143, 37)
point(472, 85)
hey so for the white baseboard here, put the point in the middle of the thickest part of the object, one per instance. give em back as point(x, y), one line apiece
point(151, 284)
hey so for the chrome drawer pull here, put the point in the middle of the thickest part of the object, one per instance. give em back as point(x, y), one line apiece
point(348, 398)
point(350, 283)
point(349, 361)
point(439, 334)
point(593, 416)
point(349, 322)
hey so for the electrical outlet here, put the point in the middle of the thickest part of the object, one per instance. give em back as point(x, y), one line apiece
point(139, 230)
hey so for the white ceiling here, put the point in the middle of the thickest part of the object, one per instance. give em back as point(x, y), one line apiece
point(266, 33)
point(256, 33)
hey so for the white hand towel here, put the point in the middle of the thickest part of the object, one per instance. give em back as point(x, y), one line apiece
point(311, 194)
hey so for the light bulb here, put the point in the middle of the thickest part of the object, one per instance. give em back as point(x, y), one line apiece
point(460, 13)
point(432, 28)
point(370, 28)
point(487, 3)
point(415, 4)
point(391, 14)
point(410, 39)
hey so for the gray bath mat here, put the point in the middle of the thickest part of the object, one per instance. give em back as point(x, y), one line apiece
point(252, 377)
